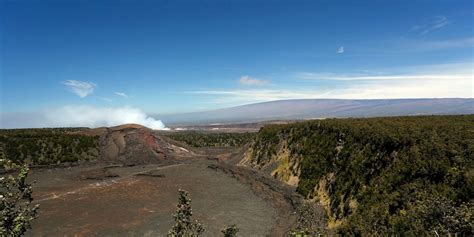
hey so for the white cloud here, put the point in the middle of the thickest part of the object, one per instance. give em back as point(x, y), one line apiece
point(444, 44)
point(407, 89)
point(340, 49)
point(80, 88)
point(412, 77)
point(256, 95)
point(428, 81)
point(432, 24)
point(448, 71)
point(386, 87)
point(249, 81)
point(82, 116)
point(121, 94)
point(439, 81)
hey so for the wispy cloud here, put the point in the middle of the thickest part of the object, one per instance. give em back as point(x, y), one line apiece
point(423, 81)
point(322, 76)
point(121, 94)
point(443, 44)
point(432, 24)
point(80, 88)
point(394, 87)
point(256, 95)
point(450, 88)
point(249, 81)
point(340, 49)
point(429, 81)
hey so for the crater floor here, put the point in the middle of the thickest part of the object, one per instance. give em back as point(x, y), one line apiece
point(95, 200)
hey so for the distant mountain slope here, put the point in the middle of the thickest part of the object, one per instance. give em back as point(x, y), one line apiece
point(325, 108)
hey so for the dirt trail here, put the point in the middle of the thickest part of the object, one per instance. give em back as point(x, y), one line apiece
point(100, 184)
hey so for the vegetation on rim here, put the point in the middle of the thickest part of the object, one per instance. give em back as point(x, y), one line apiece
point(47, 146)
point(398, 175)
point(404, 175)
point(197, 139)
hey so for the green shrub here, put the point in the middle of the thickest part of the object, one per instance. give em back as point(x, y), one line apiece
point(16, 212)
point(230, 231)
point(184, 225)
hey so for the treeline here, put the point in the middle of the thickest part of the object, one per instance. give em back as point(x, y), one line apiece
point(47, 146)
point(379, 176)
point(207, 139)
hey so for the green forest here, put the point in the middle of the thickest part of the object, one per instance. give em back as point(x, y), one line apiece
point(47, 146)
point(404, 175)
point(373, 176)
point(208, 139)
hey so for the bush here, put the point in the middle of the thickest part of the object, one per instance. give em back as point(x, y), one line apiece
point(184, 225)
point(16, 212)
point(230, 231)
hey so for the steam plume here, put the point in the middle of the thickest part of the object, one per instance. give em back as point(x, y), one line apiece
point(81, 116)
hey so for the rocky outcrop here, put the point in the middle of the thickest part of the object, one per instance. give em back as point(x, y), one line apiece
point(133, 144)
point(269, 152)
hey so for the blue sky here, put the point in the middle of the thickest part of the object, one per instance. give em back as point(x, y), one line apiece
point(180, 56)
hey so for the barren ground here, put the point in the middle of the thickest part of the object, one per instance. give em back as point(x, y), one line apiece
point(116, 200)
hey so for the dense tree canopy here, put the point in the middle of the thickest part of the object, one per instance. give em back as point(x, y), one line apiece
point(207, 139)
point(47, 146)
point(409, 175)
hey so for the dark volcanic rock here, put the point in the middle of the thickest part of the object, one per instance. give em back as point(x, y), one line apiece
point(152, 173)
point(132, 144)
point(97, 174)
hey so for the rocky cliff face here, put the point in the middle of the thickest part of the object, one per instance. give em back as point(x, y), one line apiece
point(376, 176)
point(270, 153)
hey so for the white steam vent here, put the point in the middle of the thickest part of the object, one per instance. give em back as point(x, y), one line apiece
point(91, 116)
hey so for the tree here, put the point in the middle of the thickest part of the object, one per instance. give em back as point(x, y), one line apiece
point(311, 220)
point(230, 231)
point(16, 212)
point(184, 225)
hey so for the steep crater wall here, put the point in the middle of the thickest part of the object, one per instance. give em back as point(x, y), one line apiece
point(379, 175)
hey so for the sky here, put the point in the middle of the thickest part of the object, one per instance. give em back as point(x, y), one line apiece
point(164, 57)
